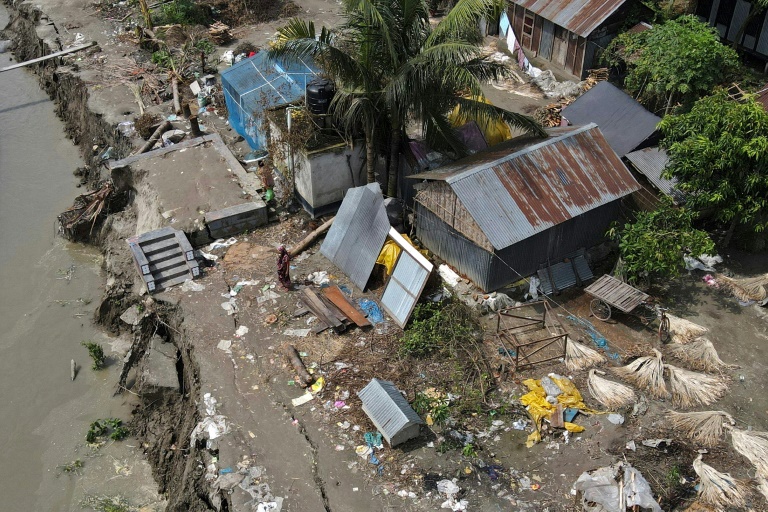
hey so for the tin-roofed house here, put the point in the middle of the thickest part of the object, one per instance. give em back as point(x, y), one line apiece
point(568, 33)
point(624, 122)
point(390, 412)
point(505, 212)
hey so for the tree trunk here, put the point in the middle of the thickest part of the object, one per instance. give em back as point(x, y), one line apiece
point(370, 157)
point(729, 233)
point(394, 162)
point(754, 11)
point(146, 13)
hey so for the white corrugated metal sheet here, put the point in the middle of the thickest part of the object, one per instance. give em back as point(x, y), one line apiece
point(406, 283)
point(387, 408)
point(355, 239)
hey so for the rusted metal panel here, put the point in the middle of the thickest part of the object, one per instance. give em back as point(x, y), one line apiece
point(578, 16)
point(543, 185)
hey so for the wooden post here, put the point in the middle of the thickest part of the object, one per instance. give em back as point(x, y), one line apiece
point(195, 126)
point(164, 127)
point(176, 103)
point(305, 379)
point(186, 111)
point(301, 246)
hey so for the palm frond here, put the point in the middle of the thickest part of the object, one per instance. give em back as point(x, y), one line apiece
point(705, 427)
point(754, 446)
point(720, 489)
point(646, 373)
point(699, 354)
point(461, 22)
point(611, 394)
point(692, 388)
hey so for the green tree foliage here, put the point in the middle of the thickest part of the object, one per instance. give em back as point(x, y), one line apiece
point(719, 154)
point(392, 68)
point(654, 244)
point(679, 60)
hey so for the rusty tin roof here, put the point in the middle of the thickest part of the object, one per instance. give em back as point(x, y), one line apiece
point(581, 17)
point(527, 191)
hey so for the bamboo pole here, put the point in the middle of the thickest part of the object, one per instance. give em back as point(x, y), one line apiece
point(164, 127)
point(176, 102)
point(302, 246)
point(47, 57)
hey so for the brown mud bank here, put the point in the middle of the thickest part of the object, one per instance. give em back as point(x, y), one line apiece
point(166, 414)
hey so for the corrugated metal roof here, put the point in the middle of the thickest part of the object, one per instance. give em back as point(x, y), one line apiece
point(624, 122)
point(387, 407)
point(651, 162)
point(762, 96)
point(407, 281)
point(564, 274)
point(355, 239)
point(523, 193)
point(579, 16)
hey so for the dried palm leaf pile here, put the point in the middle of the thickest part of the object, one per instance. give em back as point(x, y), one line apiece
point(692, 388)
point(77, 223)
point(579, 356)
point(754, 446)
point(699, 354)
point(646, 373)
point(746, 290)
point(684, 331)
point(610, 394)
point(705, 427)
point(718, 489)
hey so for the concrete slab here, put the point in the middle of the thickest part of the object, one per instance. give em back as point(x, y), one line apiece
point(192, 179)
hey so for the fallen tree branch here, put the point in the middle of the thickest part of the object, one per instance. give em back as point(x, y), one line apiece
point(310, 238)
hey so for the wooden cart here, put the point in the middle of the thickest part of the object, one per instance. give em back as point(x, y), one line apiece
point(609, 292)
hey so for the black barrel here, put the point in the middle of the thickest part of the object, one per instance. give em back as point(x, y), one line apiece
point(320, 92)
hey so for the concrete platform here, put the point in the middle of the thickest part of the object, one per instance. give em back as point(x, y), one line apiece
point(197, 179)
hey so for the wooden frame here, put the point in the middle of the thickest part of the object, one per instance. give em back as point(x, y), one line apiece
point(524, 350)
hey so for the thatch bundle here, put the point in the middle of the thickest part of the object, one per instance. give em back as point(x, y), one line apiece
point(692, 388)
point(705, 428)
point(684, 331)
point(699, 354)
point(579, 356)
point(754, 446)
point(753, 288)
point(646, 373)
point(720, 489)
point(611, 394)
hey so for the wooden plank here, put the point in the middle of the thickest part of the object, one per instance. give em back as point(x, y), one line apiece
point(317, 306)
point(336, 296)
point(50, 56)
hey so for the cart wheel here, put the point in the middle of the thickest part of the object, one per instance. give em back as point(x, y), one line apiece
point(600, 309)
point(664, 330)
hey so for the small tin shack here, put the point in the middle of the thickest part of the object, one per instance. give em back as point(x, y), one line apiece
point(389, 411)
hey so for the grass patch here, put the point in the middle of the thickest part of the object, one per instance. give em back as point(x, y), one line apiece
point(110, 428)
point(96, 353)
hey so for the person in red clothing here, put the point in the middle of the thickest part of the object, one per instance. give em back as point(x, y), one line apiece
point(284, 267)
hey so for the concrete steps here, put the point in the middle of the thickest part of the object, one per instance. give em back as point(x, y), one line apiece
point(164, 258)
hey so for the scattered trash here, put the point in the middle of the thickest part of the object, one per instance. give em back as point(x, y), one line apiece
point(363, 451)
point(230, 307)
point(270, 319)
point(225, 345)
point(520, 424)
point(207, 256)
point(450, 490)
point(616, 419)
point(221, 243)
point(373, 440)
point(192, 286)
point(631, 446)
point(319, 278)
point(657, 443)
point(372, 311)
point(450, 277)
point(126, 128)
point(339, 404)
point(318, 385)
point(498, 301)
point(600, 487)
point(306, 397)
point(339, 448)
point(300, 333)
point(241, 331)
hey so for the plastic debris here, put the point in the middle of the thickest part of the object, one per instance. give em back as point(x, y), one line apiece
point(601, 487)
point(241, 331)
point(299, 333)
point(191, 286)
point(373, 440)
point(450, 490)
point(450, 277)
point(318, 385)
point(230, 307)
point(616, 419)
point(319, 278)
point(225, 345)
point(221, 243)
point(306, 397)
point(372, 311)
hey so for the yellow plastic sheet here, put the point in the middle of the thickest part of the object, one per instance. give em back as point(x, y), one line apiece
point(494, 132)
point(390, 252)
point(539, 409)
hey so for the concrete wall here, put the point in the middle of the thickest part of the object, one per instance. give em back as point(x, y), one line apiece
point(324, 176)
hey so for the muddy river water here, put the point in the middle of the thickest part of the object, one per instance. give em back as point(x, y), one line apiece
point(48, 291)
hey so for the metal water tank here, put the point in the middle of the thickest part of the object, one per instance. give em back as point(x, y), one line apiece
point(319, 93)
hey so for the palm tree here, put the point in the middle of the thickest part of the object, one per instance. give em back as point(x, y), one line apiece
point(391, 68)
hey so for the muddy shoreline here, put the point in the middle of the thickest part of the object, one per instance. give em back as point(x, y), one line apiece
point(163, 421)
